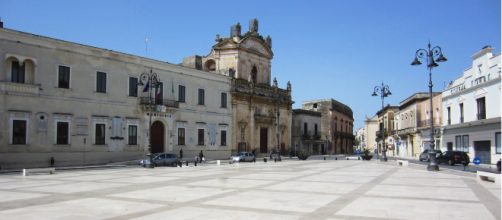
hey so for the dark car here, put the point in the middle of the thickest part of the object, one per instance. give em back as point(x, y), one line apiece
point(454, 157)
point(161, 159)
point(424, 156)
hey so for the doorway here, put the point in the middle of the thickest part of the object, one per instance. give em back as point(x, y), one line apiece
point(157, 137)
point(263, 140)
point(449, 146)
point(482, 150)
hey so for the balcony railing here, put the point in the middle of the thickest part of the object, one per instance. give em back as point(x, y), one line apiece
point(164, 102)
point(427, 123)
point(10, 87)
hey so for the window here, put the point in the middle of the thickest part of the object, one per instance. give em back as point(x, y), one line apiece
point(448, 110)
point(224, 100)
point(181, 93)
point(201, 97)
point(458, 142)
point(254, 73)
point(62, 132)
point(64, 77)
point(132, 137)
point(133, 86)
point(101, 82)
point(17, 72)
point(159, 93)
point(461, 112)
point(99, 137)
point(481, 108)
point(315, 129)
point(465, 143)
point(200, 135)
point(497, 143)
point(19, 131)
point(223, 140)
point(305, 129)
point(181, 136)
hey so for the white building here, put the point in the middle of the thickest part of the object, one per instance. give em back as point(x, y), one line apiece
point(471, 109)
point(370, 129)
point(82, 105)
point(361, 137)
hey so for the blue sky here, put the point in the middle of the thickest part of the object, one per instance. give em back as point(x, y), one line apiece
point(327, 49)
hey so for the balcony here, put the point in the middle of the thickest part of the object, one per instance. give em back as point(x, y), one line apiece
point(162, 102)
point(427, 123)
point(19, 88)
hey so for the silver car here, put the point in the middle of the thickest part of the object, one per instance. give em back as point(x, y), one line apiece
point(243, 157)
point(161, 159)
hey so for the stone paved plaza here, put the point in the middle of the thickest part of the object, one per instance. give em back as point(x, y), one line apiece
point(317, 189)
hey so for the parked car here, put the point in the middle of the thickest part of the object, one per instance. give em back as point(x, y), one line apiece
point(453, 157)
point(424, 156)
point(243, 157)
point(161, 159)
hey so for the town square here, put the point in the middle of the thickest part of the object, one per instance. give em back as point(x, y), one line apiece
point(125, 109)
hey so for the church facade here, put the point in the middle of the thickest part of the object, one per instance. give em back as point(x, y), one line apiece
point(261, 111)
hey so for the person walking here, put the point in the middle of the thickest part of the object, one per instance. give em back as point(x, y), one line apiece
point(181, 154)
point(201, 155)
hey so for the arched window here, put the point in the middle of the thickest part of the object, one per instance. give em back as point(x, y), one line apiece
point(20, 71)
point(210, 65)
point(254, 73)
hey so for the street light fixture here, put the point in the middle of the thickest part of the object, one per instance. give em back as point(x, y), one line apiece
point(432, 56)
point(150, 79)
point(383, 91)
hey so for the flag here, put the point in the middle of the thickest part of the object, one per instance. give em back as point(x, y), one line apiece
point(147, 86)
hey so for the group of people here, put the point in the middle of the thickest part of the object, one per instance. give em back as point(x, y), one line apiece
point(200, 158)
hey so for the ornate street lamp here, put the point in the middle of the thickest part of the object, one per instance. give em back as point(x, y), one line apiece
point(383, 91)
point(432, 56)
point(150, 79)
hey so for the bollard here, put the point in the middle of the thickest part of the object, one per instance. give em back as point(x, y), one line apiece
point(265, 159)
point(324, 158)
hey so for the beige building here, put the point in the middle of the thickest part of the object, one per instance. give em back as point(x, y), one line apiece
point(337, 124)
point(262, 113)
point(386, 124)
point(81, 105)
point(423, 123)
point(370, 130)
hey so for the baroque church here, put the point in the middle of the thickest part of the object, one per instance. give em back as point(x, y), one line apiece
point(262, 112)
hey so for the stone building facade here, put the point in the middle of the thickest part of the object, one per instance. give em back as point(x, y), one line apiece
point(471, 109)
point(81, 105)
point(370, 130)
point(262, 112)
point(386, 130)
point(337, 124)
point(306, 132)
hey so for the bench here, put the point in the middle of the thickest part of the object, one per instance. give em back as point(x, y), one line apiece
point(49, 170)
point(353, 158)
point(487, 176)
point(403, 163)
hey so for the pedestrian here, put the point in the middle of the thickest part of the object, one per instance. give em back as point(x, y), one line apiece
point(254, 152)
point(201, 155)
point(181, 153)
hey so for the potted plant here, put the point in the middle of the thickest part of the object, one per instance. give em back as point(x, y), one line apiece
point(303, 155)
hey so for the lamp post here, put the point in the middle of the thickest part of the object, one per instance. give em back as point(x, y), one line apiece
point(150, 79)
point(383, 91)
point(432, 56)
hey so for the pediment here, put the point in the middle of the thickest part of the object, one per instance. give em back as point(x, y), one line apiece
point(256, 45)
